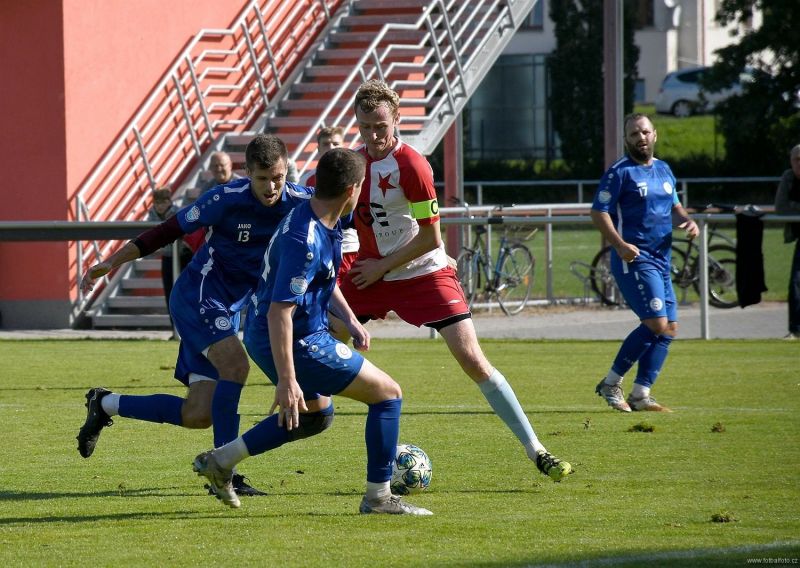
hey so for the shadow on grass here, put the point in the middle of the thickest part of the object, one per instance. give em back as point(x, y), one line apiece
point(36, 496)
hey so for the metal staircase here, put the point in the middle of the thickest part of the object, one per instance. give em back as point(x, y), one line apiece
point(434, 53)
point(137, 301)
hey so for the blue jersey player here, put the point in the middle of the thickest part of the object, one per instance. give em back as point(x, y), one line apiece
point(635, 209)
point(241, 217)
point(287, 336)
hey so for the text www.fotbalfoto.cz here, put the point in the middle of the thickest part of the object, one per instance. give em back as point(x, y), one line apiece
point(772, 561)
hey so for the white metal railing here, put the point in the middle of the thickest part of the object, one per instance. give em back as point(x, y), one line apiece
point(435, 74)
point(703, 220)
point(221, 82)
point(581, 186)
point(65, 230)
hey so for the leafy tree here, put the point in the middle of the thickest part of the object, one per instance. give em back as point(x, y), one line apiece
point(576, 80)
point(762, 124)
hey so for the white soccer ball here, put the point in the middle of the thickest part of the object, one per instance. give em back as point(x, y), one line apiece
point(411, 470)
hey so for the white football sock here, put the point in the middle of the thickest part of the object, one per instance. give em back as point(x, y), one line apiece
point(612, 378)
point(503, 401)
point(110, 404)
point(378, 491)
point(231, 453)
point(640, 391)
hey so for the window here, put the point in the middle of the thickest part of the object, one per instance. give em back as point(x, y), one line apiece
point(644, 14)
point(507, 117)
point(535, 20)
point(690, 76)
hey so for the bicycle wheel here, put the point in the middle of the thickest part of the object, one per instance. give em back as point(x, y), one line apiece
point(682, 273)
point(602, 280)
point(515, 280)
point(721, 276)
point(469, 274)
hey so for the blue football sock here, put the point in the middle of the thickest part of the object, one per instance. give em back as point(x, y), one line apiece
point(504, 402)
point(380, 434)
point(651, 362)
point(632, 349)
point(225, 411)
point(265, 436)
point(162, 408)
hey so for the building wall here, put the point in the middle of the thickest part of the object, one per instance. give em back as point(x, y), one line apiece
point(80, 70)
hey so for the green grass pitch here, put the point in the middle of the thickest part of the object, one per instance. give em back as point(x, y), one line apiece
point(729, 452)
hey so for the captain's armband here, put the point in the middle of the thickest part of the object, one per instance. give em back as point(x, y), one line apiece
point(425, 209)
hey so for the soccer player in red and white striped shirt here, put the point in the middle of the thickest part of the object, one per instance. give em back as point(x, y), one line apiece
point(402, 265)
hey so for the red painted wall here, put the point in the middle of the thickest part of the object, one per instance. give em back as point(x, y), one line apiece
point(74, 74)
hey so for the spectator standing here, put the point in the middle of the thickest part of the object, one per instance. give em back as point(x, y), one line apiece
point(787, 201)
point(162, 209)
point(221, 168)
point(635, 209)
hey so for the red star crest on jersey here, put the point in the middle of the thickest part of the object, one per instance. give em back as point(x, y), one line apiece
point(383, 183)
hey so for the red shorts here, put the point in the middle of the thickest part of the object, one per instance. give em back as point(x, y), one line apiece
point(348, 258)
point(419, 301)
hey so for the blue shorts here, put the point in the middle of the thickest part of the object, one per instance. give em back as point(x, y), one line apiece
point(323, 365)
point(201, 320)
point(647, 290)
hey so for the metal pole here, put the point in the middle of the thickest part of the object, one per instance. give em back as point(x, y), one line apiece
point(548, 247)
point(453, 179)
point(705, 331)
point(612, 79)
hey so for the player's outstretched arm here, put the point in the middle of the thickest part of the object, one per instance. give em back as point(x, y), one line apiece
point(127, 253)
point(288, 395)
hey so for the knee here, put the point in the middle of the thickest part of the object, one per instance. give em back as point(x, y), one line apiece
point(394, 391)
point(236, 371)
point(476, 366)
point(659, 327)
point(311, 424)
point(195, 418)
point(672, 329)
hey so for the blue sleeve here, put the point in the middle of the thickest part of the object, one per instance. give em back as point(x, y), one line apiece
point(298, 193)
point(607, 193)
point(296, 265)
point(675, 199)
point(206, 211)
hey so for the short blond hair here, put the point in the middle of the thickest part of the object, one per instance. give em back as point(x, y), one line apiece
point(373, 93)
point(329, 132)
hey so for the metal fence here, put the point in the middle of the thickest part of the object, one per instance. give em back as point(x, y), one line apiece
point(584, 188)
point(89, 231)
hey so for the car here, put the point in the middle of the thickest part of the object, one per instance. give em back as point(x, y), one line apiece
point(681, 93)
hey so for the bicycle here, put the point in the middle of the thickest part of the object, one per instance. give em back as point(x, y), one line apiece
point(509, 279)
point(685, 268)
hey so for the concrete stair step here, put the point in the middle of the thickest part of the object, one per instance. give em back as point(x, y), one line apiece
point(151, 321)
point(324, 87)
point(353, 54)
point(145, 264)
point(137, 302)
point(141, 283)
point(377, 20)
point(366, 37)
point(393, 5)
